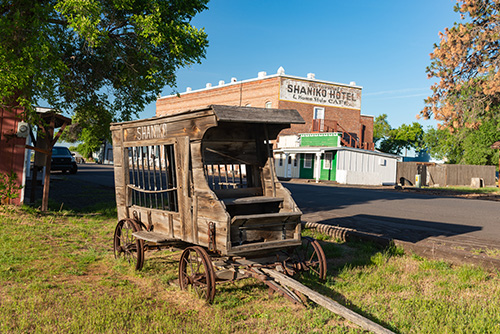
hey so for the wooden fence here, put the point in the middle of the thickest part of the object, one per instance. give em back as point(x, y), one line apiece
point(442, 175)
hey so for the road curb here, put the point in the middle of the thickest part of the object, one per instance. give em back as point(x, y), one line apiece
point(431, 248)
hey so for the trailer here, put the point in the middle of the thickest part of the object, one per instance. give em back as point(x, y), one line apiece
point(203, 181)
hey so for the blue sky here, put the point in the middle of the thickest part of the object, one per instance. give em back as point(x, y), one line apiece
point(382, 45)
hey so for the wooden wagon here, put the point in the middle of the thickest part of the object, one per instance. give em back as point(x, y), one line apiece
point(204, 181)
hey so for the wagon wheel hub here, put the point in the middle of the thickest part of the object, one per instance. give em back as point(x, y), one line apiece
point(309, 257)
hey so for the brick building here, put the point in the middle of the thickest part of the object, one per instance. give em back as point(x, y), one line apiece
point(325, 106)
point(336, 141)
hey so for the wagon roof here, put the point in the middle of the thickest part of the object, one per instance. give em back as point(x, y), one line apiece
point(233, 114)
point(256, 115)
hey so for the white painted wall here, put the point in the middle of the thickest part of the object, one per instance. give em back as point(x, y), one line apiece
point(365, 169)
point(285, 170)
point(288, 141)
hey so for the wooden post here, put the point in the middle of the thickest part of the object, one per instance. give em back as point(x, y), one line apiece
point(49, 132)
point(270, 155)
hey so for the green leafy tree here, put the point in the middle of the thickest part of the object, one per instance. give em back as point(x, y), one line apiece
point(95, 57)
point(442, 145)
point(381, 128)
point(465, 146)
point(403, 138)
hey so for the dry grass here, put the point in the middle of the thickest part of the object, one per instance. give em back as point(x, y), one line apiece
point(58, 275)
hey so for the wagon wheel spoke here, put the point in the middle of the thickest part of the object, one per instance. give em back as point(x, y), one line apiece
point(196, 272)
point(310, 258)
point(126, 245)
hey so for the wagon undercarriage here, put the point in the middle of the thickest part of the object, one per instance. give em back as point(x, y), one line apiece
point(202, 270)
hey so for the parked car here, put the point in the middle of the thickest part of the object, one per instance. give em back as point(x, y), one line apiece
point(63, 160)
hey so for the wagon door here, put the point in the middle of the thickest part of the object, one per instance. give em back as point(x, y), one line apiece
point(155, 175)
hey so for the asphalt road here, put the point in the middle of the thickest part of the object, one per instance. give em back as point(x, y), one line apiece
point(400, 215)
point(102, 175)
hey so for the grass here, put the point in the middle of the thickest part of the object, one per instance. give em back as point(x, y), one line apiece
point(58, 275)
point(468, 190)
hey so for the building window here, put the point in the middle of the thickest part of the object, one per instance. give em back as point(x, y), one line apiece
point(319, 119)
point(327, 162)
point(308, 158)
point(319, 113)
point(269, 104)
point(281, 160)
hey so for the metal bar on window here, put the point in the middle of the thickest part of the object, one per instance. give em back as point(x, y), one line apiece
point(227, 178)
point(241, 175)
point(138, 180)
point(219, 180)
point(143, 174)
point(150, 186)
point(160, 176)
point(173, 175)
point(130, 156)
point(232, 176)
point(153, 155)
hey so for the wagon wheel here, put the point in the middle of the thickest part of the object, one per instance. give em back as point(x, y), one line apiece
point(309, 257)
point(196, 270)
point(128, 246)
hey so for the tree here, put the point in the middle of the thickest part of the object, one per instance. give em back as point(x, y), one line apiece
point(96, 56)
point(381, 128)
point(442, 145)
point(466, 62)
point(465, 146)
point(404, 137)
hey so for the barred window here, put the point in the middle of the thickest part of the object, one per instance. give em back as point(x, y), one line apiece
point(152, 178)
point(228, 176)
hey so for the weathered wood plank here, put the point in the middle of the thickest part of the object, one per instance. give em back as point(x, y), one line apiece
point(328, 303)
point(196, 155)
point(265, 218)
point(182, 164)
point(251, 200)
point(238, 192)
point(179, 117)
point(154, 237)
point(257, 115)
point(147, 132)
point(263, 246)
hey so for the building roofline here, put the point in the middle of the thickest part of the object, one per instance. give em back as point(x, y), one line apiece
point(323, 149)
point(272, 76)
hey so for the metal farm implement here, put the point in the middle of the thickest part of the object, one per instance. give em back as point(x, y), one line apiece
point(203, 181)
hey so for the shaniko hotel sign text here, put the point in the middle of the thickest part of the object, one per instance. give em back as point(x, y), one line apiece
point(320, 93)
